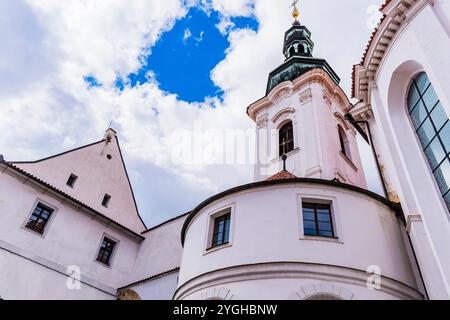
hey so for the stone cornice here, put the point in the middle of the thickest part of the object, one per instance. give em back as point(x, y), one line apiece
point(396, 15)
point(312, 76)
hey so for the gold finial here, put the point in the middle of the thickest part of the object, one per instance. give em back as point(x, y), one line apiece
point(295, 13)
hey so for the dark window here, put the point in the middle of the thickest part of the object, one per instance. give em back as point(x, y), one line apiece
point(221, 233)
point(286, 138)
point(106, 200)
point(39, 218)
point(106, 251)
point(292, 51)
point(432, 126)
point(71, 181)
point(343, 140)
point(317, 220)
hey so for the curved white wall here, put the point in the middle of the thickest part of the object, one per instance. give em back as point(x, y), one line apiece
point(422, 44)
point(267, 229)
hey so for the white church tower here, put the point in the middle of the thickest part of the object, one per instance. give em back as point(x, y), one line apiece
point(303, 116)
point(307, 228)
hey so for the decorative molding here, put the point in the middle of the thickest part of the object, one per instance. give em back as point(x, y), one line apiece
point(396, 16)
point(410, 219)
point(217, 293)
point(295, 271)
point(281, 113)
point(327, 97)
point(282, 94)
point(308, 291)
point(305, 96)
point(313, 171)
point(313, 76)
point(262, 122)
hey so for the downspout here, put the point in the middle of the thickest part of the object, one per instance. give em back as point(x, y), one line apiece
point(355, 123)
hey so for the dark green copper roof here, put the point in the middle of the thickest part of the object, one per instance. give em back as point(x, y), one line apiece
point(297, 66)
point(298, 50)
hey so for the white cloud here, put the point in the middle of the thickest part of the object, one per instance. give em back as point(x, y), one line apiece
point(47, 46)
point(187, 34)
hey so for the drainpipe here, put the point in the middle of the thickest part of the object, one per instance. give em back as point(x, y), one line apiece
point(369, 139)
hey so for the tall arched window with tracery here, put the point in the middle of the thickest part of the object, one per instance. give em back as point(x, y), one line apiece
point(432, 126)
point(286, 138)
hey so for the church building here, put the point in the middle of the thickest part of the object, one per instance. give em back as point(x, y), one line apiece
point(306, 228)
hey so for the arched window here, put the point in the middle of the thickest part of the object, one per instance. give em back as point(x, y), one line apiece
point(286, 138)
point(292, 51)
point(433, 129)
point(343, 140)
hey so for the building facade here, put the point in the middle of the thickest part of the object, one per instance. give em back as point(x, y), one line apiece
point(306, 228)
point(403, 87)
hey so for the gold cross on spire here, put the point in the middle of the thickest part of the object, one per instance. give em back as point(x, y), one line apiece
point(295, 13)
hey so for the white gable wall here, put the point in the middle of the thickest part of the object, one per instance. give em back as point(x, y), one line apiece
point(97, 176)
point(35, 266)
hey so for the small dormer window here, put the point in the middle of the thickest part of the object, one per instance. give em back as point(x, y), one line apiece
point(72, 180)
point(106, 200)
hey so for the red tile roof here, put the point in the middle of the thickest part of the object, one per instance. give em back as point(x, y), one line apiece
point(282, 175)
point(150, 278)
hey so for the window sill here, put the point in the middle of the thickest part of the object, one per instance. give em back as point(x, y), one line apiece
point(214, 249)
point(350, 162)
point(319, 238)
point(107, 266)
point(41, 235)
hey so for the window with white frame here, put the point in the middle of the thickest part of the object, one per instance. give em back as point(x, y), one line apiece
point(106, 251)
point(39, 218)
point(317, 220)
point(220, 229)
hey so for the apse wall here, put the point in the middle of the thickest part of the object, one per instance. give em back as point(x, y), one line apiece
point(269, 257)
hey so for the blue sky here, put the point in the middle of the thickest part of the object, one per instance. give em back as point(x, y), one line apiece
point(67, 68)
point(183, 58)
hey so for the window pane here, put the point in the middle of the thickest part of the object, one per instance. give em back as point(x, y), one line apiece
point(309, 206)
point(426, 133)
point(439, 116)
point(310, 232)
point(435, 153)
point(325, 233)
point(309, 224)
point(445, 136)
point(309, 210)
point(419, 114)
point(323, 217)
point(413, 97)
point(422, 82)
point(308, 216)
point(430, 98)
point(447, 200)
point(442, 175)
point(325, 226)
